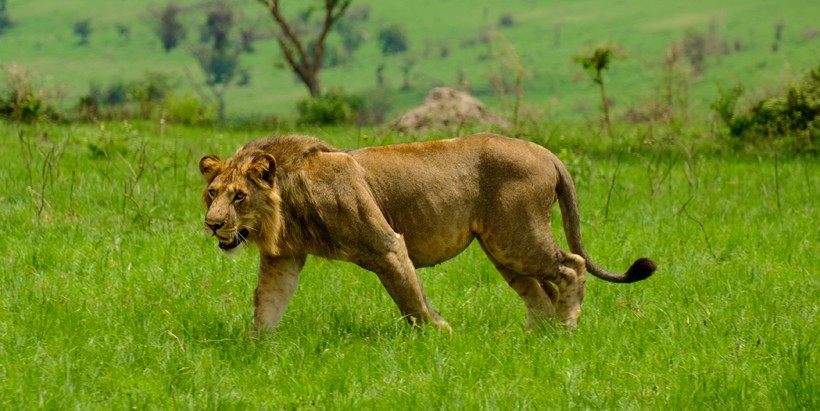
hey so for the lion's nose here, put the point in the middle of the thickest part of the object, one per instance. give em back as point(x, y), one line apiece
point(214, 226)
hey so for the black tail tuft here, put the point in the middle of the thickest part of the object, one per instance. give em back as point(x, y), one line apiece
point(641, 269)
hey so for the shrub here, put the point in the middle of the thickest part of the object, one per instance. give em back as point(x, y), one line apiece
point(726, 103)
point(106, 102)
point(352, 35)
point(5, 20)
point(331, 108)
point(82, 29)
point(168, 27)
point(506, 20)
point(189, 109)
point(779, 117)
point(696, 47)
point(392, 40)
point(791, 118)
point(150, 98)
point(21, 100)
point(149, 93)
point(375, 108)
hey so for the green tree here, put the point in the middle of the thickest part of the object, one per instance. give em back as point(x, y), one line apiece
point(352, 35)
point(5, 20)
point(168, 27)
point(392, 40)
point(82, 29)
point(220, 52)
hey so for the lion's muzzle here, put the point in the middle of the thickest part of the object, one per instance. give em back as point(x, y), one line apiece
point(214, 226)
point(239, 238)
point(229, 237)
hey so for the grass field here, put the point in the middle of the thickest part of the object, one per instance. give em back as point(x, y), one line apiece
point(543, 38)
point(112, 298)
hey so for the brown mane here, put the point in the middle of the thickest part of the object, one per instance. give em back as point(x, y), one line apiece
point(300, 225)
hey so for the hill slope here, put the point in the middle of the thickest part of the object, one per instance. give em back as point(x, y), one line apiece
point(456, 43)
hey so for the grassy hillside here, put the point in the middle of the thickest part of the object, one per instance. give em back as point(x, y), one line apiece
point(543, 35)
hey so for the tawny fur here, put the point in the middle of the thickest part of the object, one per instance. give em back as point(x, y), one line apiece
point(396, 208)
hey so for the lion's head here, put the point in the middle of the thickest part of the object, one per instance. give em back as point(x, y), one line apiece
point(240, 197)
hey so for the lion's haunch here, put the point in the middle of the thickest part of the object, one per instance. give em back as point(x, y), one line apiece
point(395, 208)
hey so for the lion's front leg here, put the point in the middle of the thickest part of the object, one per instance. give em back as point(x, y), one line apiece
point(399, 278)
point(278, 278)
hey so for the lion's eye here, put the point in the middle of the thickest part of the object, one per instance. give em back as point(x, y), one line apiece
point(239, 196)
point(212, 193)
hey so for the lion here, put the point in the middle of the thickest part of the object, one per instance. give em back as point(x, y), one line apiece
point(396, 208)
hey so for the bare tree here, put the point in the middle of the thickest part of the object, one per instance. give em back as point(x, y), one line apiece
point(305, 62)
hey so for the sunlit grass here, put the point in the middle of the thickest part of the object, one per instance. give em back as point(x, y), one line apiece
point(111, 297)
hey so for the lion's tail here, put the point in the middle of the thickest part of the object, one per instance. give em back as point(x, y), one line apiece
point(641, 269)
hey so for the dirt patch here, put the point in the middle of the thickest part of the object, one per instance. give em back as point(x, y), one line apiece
point(447, 109)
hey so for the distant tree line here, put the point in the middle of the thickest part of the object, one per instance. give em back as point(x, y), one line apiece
point(319, 34)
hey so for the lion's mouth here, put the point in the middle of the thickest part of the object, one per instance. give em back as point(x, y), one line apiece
point(238, 239)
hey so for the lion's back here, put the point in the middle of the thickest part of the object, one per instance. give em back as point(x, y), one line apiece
point(437, 193)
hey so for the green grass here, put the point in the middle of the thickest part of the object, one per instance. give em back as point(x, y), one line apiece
point(42, 40)
point(111, 297)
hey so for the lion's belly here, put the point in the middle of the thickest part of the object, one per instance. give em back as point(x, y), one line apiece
point(436, 227)
point(435, 247)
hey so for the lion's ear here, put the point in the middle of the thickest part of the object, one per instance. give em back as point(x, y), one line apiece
point(262, 168)
point(210, 166)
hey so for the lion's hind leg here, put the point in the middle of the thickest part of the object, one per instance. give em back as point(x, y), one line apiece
point(538, 299)
point(571, 282)
point(550, 283)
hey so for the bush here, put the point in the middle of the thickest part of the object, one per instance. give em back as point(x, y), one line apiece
point(168, 27)
point(392, 40)
point(150, 98)
point(331, 108)
point(374, 109)
point(506, 20)
point(726, 103)
point(105, 102)
point(189, 109)
point(779, 116)
point(5, 20)
point(82, 29)
point(21, 101)
point(791, 118)
point(149, 93)
point(142, 99)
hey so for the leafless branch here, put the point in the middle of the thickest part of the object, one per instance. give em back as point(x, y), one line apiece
point(305, 66)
